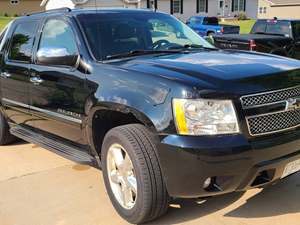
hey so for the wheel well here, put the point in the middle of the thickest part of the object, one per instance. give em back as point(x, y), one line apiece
point(210, 32)
point(105, 120)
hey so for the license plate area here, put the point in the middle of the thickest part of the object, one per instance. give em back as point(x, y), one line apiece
point(291, 168)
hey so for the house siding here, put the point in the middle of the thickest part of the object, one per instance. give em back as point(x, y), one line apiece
point(189, 7)
point(53, 4)
point(252, 8)
point(291, 12)
point(22, 8)
point(103, 3)
point(282, 11)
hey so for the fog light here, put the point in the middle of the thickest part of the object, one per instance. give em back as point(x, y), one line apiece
point(207, 183)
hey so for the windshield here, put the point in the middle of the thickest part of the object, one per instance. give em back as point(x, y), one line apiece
point(272, 27)
point(112, 34)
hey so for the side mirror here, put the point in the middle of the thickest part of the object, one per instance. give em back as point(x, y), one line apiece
point(56, 57)
point(187, 22)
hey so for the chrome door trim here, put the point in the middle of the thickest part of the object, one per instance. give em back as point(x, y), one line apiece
point(50, 113)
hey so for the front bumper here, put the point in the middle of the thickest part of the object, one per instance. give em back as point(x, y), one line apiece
point(232, 161)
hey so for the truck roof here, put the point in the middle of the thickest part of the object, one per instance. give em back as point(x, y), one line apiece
point(69, 11)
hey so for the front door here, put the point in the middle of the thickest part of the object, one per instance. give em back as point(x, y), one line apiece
point(15, 73)
point(58, 93)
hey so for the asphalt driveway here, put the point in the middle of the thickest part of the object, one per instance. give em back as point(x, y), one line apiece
point(38, 187)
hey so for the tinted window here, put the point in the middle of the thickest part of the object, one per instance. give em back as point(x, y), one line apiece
point(1, 39)
point(58, 34)
point(3, 34)
point(296, 30)
point(210, 21)
point(259, 27)
point(22, 42)
point(110, 34)
point(279, 27)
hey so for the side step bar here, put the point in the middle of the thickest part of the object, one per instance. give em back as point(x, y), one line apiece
point(59, 148)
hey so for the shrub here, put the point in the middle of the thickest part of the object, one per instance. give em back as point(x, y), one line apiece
point(242, 16)
point(6, 15)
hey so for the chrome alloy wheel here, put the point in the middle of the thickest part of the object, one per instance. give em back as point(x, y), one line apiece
point(121, 176)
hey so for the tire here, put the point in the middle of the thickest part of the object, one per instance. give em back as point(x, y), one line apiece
point(151, 200)
point(5, 136)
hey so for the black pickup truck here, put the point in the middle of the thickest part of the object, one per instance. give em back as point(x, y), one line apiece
point(140, 95)
point(280, 37)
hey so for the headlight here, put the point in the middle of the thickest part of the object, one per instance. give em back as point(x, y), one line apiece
point(205, 117)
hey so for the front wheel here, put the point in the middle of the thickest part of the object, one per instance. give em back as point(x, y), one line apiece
point(132, 174)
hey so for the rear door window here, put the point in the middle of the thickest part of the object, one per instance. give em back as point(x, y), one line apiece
point(3, 35)
point(22, 42)
point(2, 39)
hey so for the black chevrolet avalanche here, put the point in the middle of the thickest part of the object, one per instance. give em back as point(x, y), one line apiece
point(140, 95)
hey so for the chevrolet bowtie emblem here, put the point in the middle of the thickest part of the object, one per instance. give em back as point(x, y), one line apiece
point(292, 104)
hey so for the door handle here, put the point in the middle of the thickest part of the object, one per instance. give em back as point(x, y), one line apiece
point(5, 75)
point(36, 80)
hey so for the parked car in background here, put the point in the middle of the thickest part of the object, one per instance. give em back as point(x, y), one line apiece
point(280, 37)
point(208, 26)
point(162, 112)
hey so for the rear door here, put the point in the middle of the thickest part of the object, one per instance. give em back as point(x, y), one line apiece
point(58, 93)
point(15, 72)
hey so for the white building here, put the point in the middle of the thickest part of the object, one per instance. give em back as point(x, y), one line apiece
point(183, 9)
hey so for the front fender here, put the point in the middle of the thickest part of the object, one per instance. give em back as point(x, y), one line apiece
point(142, 95)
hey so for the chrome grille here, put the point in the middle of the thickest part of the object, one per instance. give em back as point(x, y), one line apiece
point(277, 121)
point(270, 97)
point(274, 122)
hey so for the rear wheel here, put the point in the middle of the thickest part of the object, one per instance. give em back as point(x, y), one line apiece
point(5, 136)
point(132, 174)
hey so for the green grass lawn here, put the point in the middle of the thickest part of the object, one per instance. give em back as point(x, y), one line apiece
point(4, 21)
point(246, 25)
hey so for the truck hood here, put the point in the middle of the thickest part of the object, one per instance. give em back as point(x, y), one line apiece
point(231, 71)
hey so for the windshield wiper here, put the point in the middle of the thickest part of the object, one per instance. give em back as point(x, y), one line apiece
point(141, 52)
point(192, 47)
